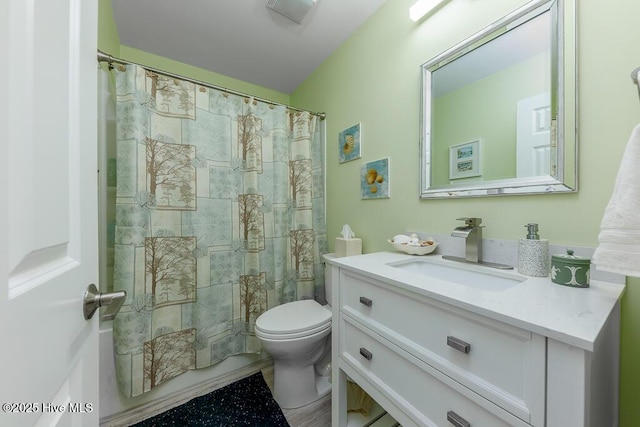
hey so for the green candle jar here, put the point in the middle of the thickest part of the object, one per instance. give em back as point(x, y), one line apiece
point(570, 270)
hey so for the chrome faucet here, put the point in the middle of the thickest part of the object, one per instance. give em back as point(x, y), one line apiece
point(472, 233)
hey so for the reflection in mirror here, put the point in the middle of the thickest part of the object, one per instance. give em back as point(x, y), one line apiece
point(499, 108)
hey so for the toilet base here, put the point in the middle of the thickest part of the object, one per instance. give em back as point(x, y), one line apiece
point(294, 387)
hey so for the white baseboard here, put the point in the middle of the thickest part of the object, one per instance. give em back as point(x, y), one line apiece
point(155, 407)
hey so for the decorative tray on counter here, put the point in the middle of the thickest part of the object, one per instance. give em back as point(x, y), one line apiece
point(412, 245)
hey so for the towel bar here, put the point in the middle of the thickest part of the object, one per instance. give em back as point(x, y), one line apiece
point(635, 74)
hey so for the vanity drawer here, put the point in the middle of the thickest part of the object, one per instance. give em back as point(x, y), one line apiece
point(500, 362)
point(429, 397)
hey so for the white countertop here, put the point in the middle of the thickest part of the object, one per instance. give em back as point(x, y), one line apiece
point(574, 316)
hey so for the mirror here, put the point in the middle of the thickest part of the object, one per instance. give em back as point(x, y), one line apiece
point(499, 109)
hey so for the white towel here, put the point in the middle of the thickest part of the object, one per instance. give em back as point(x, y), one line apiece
point(618, 249)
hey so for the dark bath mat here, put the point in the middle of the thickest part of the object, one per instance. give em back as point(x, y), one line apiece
point(247, 402)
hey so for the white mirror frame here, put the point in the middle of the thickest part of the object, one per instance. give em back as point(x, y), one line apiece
point(564, 101)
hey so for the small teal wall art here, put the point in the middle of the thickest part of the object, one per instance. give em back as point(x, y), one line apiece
point(374, 179)
point(464, 160)
point(349, 141)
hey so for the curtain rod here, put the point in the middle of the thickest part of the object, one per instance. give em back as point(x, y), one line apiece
point(105, 57)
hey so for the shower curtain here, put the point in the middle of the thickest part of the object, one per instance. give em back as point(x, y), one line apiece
point(219, 217)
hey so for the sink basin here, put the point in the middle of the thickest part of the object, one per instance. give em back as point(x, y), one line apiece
point(470, 276)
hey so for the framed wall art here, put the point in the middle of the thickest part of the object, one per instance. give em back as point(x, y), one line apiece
point(464, 160)
point(374, 179)
point(349, 143)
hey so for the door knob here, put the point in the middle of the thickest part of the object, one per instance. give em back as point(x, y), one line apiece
point(93, 299)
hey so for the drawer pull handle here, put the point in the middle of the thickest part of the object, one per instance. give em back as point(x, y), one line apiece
point(458, 344)
point(457, 420)
point(366, 353)
point(366, 301)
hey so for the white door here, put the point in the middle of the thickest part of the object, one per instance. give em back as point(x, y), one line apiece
point(48, 218)
point(533, 136)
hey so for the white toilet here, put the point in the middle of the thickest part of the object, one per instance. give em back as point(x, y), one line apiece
point(297, 335)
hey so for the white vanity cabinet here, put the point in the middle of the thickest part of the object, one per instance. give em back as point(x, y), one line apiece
point(433, 362)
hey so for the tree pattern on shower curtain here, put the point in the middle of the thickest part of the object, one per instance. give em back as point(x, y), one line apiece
point(219, 217)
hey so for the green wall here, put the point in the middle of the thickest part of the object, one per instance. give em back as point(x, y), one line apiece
point(374, 79)
point(108, 39)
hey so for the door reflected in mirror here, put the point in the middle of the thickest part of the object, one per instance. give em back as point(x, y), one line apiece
point(511, 86)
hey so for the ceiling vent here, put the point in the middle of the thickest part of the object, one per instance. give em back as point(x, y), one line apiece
point(296, 10)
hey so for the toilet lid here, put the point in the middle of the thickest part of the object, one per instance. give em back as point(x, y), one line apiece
point(293, 317)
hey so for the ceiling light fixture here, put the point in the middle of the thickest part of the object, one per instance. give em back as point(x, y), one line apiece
point(296, 10)
point(421, 8)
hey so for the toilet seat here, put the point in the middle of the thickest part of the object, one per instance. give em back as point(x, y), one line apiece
point(292, 337)
point(293, 320)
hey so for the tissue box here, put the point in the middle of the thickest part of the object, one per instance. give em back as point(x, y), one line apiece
point(348, 247)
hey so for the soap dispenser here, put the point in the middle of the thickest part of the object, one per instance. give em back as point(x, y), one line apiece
point(533, 253)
